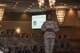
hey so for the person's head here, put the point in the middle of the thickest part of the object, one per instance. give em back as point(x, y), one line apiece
point(49, 17)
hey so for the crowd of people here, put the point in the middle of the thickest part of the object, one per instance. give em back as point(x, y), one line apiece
point(27, 43)
point(12, 42)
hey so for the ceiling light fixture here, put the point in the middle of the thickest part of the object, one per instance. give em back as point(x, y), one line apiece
point(2, 11)
point(60, 14)
point(51, 3)
point(41, 3)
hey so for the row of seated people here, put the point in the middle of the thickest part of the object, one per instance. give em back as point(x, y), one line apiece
point(11, 34)
point(11, 42)
point(36, 47)
point(26, 44)
point(62, 45)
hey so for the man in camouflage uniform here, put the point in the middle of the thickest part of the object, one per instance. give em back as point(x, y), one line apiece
point(49, 27)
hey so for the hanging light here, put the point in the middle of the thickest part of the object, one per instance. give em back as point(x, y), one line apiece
point(1, 11)
point(52, 3)
point(60, 14)
point(41, 3)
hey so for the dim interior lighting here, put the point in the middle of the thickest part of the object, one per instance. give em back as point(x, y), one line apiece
point(2, 11)
point(18, 30)
point(51, 3)
point(41, 3)
point(60, 15)
point(71, 11)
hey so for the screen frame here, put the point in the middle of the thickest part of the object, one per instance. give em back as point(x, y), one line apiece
point(31, 21)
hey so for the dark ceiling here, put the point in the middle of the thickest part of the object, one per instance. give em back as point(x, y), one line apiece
point(32, 5)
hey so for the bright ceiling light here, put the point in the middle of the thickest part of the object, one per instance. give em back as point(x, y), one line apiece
point(52, 3)
point(1, 11)
point(41, 3)
point(60, 14)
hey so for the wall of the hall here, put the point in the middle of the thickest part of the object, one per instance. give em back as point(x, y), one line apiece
point(25, 26)
point(71, 17)
point(23, 20)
